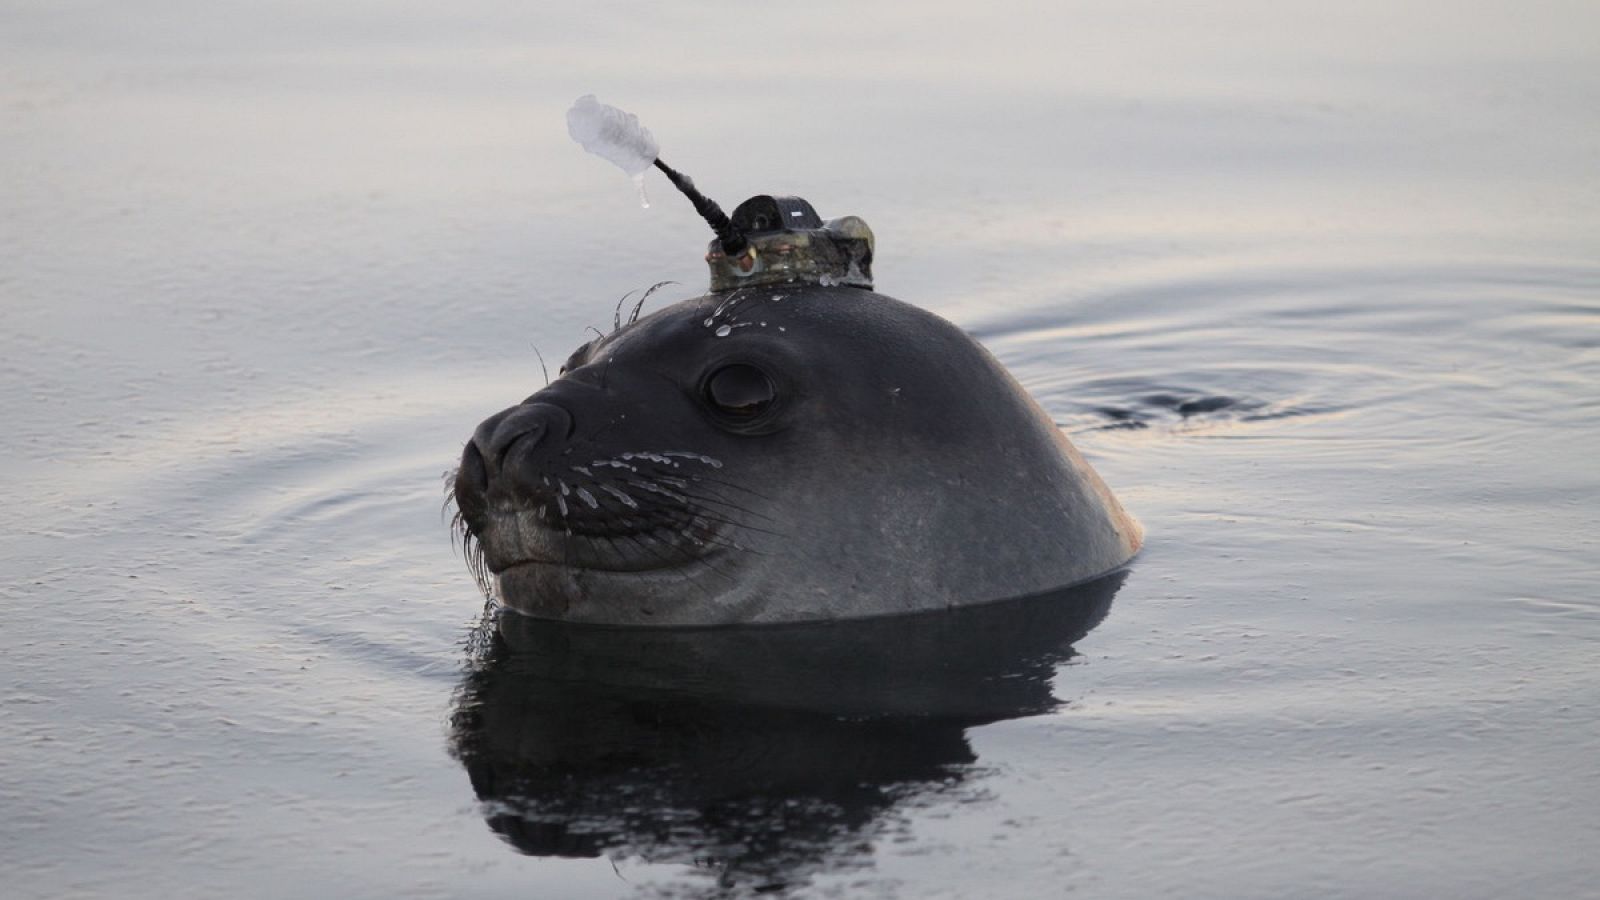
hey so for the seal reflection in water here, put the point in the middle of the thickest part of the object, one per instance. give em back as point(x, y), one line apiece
point(789, 447)
point(761, 756)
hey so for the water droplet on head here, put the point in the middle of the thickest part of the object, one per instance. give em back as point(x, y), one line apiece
point(724, 330)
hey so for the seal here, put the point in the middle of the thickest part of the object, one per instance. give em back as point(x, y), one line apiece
point(785, 450)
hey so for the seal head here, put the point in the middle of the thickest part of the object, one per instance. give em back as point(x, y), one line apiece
point(789, 447)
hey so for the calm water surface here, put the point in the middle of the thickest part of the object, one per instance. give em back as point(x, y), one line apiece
point(1317, 290)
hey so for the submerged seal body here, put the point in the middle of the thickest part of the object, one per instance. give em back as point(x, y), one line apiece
point(781, 453)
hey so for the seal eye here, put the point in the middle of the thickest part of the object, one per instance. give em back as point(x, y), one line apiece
point(740, 391)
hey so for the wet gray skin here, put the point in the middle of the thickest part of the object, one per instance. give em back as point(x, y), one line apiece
point(780, 454)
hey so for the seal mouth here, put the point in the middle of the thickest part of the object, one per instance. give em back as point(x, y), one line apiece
point(516, 541)
point(708, 558)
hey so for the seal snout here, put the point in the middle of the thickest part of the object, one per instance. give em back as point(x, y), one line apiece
point(504, 455)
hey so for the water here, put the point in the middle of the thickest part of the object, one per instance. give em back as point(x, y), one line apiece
point(1315, 289)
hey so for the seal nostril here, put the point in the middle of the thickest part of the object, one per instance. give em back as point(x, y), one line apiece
point(532, 437)
point(513, 430)
point(528, 425)
point(472, 473)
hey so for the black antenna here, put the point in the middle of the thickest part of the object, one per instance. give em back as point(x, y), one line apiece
point(732, 239)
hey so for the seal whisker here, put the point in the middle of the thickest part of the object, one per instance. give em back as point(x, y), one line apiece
point(652, 480)
point(542, 367)
point(566, 552)
point(668, 562)
point(685, 501)
point(654, 488)
point(692, 457)
point(710, 516)
point(693, 559)
point(616, 315)
point(681, 577)
point(472, 554)
point(706, 495)
point(726, 306)
point(711, 537)
point(689, 519)
point(681, 512)
point(732, 523)
point(634, 317)
point(757, 303)
point(722, 482)
point(627, 500)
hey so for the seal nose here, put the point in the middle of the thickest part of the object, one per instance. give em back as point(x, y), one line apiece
point(528, 426)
